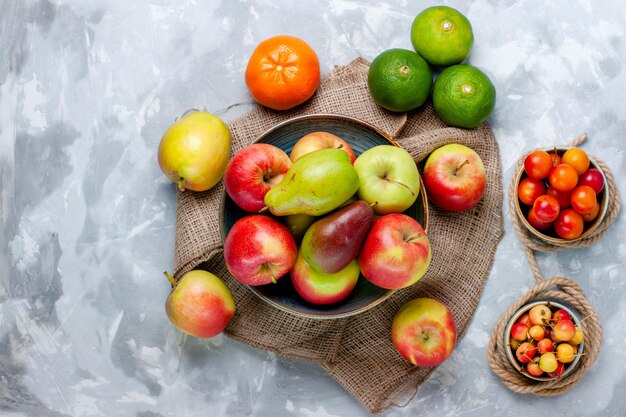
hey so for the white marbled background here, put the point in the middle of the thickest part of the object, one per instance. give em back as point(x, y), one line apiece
point(87, 87)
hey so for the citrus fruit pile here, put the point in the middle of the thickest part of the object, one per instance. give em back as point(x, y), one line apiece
point(561, 191)
point(401, 80)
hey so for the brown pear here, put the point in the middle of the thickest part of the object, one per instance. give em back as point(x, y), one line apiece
point(332, 242)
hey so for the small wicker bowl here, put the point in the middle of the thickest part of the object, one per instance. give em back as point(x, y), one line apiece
point(549, 235)
point(525, 309)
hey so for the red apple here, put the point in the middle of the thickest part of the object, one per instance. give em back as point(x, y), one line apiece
point(519, 332)
point(561, 315)
point(317, 141)
point(396, 252)
point(545, 345)
point(454, 176)
point(259, 250)
point(319, 288)
point(533, 367)
point(524, 319)
point(423, 332)
point(252, 172)
point(199, 304)
point(564, 330)
point(525, 352)
point(536, 222)
point(593, 178)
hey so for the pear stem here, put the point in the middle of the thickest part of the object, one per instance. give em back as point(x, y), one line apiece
point(402, 185)
point(461, 166)
point(181, 184)
point(170, 278)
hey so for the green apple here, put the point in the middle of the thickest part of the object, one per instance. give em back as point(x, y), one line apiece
point(194, 151)
point(388, 179)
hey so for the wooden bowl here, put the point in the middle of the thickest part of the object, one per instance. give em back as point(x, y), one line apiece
point(525, 309)
point(361, 136)
point(550, 235)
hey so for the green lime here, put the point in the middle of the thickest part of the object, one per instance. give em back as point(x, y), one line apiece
point(399, 80)
point(442, 36)
point(463, 96)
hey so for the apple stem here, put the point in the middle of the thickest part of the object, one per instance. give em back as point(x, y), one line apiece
point(181, 184)
point(374, 204)
point(402, 185)
point(171, 279)
point(412, 238)
point(461, 166)
point(264, 209)
point(273, 279)
point(340, 146)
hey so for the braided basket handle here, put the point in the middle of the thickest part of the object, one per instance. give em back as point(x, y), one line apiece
point(559, 288)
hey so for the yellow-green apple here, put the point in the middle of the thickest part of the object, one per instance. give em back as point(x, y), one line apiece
point(317, 141)
point(259, 250)
point(454, 177)
point(548, 362)
point(194, 151)
point(199, 304)
point(539, 315)
point(423, 332)
point(252, 172)
point(578, 337)
point(396, 252)
point(320, 288)
point(388, 179)
point(560, 367)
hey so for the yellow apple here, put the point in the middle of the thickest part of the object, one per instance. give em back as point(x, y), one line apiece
point(194, 151)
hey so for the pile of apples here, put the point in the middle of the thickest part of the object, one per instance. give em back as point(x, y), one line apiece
point(545, 341)
point(560, 191)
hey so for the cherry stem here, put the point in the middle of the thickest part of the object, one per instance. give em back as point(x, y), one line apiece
point(583, 320)
point(181, 184)
point(170, 278)
point(461, 166)
point(402, 185)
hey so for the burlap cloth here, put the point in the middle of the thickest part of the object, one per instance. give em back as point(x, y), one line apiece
point(357, 352)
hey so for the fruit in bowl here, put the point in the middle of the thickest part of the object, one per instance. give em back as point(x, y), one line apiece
point(561, 194)
point(318, 200)
point(550, 348)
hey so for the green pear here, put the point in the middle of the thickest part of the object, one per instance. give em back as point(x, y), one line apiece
point(316, 184)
